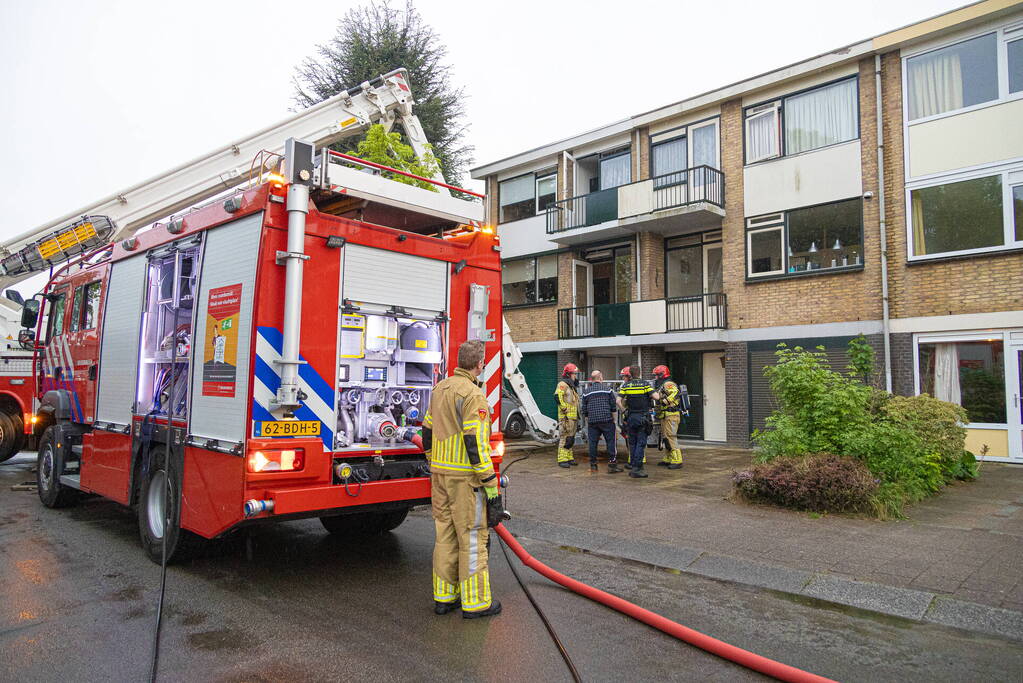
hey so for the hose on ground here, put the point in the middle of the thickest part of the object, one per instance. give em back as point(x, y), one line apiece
point(782, 672)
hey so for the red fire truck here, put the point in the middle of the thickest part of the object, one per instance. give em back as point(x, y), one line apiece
point(269, 355)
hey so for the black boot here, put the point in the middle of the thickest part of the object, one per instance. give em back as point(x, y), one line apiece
point(663, 463)
point(565, 464)
point(675, 466)
point(613, 468)
point(593, 467)
point(572, 463)
point(638, 474)
point(494, 609)
point(445, 607)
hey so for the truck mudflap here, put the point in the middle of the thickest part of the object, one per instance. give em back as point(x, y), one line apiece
point(287, 501)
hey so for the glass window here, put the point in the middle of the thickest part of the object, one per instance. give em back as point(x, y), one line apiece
point(668, 160)
point(953, 77)
point(765, 251)
point(56, 322)
point(967, 373)
point(685, 271)
point(76, 308)
point(827, 236)
point(530, 280)
point(546, 191)
point(957, 216)
point(516, 198)
point(623, 275)
point(821, 117)
point(1017, 211)
point(615, 171)
point(91, 313)
point(1015, 62)
point(762, 134)
point(705, 145)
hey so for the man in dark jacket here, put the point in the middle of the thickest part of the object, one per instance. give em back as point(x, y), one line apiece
point(598, 407)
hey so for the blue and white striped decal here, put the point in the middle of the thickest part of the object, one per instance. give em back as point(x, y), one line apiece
point(319, 404)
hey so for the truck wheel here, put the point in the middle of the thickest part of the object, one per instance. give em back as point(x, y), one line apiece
point(364, 523)
point(516, 426)
point(159, 514)
point(20, 437)
point(8, 437)
point(49, 467)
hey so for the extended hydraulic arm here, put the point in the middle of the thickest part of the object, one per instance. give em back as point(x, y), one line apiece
point(543, 428)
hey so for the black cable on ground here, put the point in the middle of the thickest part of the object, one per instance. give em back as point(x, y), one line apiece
point(163, 574)
point(543, 617)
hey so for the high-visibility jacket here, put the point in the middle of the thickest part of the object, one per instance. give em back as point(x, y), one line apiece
point(568, 401)
point(456, 429)
point(670, 398)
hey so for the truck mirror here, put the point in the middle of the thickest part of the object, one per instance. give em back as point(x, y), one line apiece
point(30, 313)
point(15, 296)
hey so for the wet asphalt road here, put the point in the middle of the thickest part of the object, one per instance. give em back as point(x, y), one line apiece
point(77, 602)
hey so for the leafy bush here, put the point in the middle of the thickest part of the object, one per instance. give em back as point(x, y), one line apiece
point(911, 446)
point(820, 483)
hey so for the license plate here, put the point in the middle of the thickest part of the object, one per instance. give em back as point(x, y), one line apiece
point(288, 428)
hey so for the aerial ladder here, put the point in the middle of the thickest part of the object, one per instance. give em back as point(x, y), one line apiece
point(385, 100)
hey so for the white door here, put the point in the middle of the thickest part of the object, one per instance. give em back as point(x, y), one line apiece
point(1014, 384)
point(703, 154)
point(714, 397)
point(713, 284)
point(582, 319)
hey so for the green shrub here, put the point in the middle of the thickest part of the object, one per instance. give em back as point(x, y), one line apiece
point(820, 483)
point(937, 424)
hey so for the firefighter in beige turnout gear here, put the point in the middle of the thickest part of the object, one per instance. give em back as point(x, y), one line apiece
point(567, 393)
point(667, 409)
point(456, 438)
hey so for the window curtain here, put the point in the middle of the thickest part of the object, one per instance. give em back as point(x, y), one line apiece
point(669, 157)
point(919, 236)
point(821, 117)
point(615, 171)
point(517, 190)
point(935, 83)
point(762, 136)
point(946, 374)
point(705, 148)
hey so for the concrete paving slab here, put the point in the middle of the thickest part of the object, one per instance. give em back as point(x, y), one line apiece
point(751, 573)
point(901, 602)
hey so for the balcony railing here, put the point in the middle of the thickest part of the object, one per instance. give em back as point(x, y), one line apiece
point(672, 190)
point(653, 316)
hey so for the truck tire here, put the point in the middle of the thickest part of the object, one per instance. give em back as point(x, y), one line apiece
point(20, 437)
point(155, 518)
point(364, 523)
point(49, 467)
point(8, 437)
point(516, 426)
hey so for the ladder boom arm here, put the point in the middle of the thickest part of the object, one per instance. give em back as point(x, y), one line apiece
point(344, 115)
point(542, 427)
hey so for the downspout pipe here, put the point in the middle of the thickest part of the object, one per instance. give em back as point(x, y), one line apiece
point(885, 316)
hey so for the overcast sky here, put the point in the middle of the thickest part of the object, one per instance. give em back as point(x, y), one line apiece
point(98, 95)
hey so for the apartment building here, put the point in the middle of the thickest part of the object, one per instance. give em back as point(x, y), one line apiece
point(706, 232)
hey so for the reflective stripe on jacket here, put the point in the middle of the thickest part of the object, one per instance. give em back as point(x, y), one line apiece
point(459, 423)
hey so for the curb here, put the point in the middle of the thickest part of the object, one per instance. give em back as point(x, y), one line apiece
point(907, 603)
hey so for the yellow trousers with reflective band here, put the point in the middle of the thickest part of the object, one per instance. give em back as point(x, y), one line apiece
point(669, 431)
point(460, 550)
point(566, 439)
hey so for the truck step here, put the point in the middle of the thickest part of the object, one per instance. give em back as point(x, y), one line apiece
point(77, 449)
point(71, 480)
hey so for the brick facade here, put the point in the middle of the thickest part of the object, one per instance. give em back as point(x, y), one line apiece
point(533, 323)
point(651, 265)
point(737, 394)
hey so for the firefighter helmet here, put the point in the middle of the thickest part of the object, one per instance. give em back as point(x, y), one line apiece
point(661, 371)
point(569, 368)
point(626, 372)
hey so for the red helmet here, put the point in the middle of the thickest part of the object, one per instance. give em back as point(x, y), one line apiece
point(569, 368)
point(626, 372)
point(662, 371)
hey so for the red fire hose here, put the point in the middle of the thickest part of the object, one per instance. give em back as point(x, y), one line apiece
point(782, 672)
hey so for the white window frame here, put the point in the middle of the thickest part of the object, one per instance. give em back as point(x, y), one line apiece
point(712, 123)
point(536, 189)
point(1011, 175)
point(1004, 35)
point(1001, 336)
point(761, 111)
point(780, 229)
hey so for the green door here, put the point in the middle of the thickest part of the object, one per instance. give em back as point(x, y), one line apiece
point(541, 373)
point(687, 368)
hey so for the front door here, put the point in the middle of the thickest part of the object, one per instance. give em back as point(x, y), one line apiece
point(686, 369)
point(582, 299)
point(714, 427)
point(1016, 412)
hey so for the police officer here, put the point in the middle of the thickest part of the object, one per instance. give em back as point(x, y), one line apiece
point(635, 401)
point(456, 438)
point(668, 405)
point(568, 414)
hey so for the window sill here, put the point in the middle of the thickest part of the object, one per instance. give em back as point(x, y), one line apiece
point(938, 258)
point(513, 307)
point(805, 273)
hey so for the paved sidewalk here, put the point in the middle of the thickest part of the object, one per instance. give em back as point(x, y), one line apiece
point(955, 558)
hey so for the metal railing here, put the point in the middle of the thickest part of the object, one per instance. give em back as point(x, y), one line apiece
point(681, 314)
point(671, 190)
point(700, 312)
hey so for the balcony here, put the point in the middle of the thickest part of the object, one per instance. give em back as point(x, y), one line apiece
point(654, 316)
point(693, 199)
